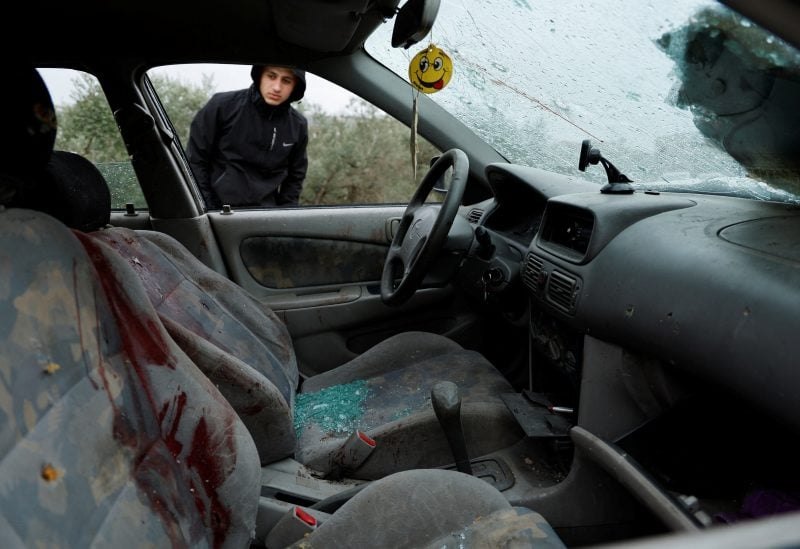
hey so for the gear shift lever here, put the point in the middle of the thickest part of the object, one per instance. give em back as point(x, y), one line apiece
point(447, 406)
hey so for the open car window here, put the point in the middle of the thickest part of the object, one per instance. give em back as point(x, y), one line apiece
point(356, 153)
point(86, 126)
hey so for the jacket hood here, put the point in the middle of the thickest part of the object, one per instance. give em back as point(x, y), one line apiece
point(299, 88)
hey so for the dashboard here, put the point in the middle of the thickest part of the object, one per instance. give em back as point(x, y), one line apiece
point(707, 284)
point(668, 321)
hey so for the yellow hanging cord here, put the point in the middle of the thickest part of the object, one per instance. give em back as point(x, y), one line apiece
point(413, 143)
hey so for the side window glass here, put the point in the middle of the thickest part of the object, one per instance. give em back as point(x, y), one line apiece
point(356, 154)
point(86, 126)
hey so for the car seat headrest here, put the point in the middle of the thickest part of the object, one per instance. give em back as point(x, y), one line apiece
point(79, 196)
point(28, 130)
point(72, 190)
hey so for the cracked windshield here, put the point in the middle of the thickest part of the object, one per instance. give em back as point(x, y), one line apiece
point(683, 95)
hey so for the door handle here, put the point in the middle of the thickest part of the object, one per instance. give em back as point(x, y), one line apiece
point(391, 227)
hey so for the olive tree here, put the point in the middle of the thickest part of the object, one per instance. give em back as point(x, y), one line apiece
point(360, 156)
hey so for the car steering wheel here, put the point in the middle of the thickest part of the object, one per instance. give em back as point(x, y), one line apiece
point(423, 230)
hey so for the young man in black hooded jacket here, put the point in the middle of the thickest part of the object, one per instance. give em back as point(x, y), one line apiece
point(248, 147)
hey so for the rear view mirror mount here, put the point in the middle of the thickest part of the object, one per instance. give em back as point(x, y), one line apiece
point(413, 22)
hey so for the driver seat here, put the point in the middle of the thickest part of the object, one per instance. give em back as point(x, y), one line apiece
point(379, 401)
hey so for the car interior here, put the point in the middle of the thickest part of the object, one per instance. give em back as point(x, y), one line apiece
point(510, 357)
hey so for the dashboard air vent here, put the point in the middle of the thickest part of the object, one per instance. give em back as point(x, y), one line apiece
point(563, 291)
point(532, 273)
point(474, 215)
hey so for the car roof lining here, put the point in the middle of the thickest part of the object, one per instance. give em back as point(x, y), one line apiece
point(301, 30)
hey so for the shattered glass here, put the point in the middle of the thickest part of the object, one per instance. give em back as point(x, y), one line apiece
point(534, 79)
point(336, 409)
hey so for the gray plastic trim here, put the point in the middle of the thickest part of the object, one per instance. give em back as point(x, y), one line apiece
point(624, 469)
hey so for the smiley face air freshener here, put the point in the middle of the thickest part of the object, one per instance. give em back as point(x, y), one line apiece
point(430, 70)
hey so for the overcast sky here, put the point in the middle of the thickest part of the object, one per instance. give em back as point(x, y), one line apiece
point(332, 98)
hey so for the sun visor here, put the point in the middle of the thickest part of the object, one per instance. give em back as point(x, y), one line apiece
point(319, 25)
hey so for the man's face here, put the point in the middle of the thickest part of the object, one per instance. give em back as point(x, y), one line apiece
point(276, 85)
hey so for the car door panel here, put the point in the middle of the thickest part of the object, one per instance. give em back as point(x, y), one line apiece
point(320, 269)
point(257, 248)
point(301, 258)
